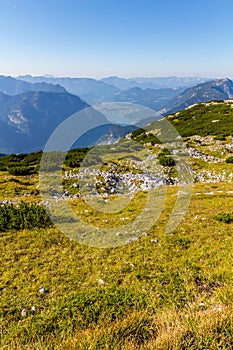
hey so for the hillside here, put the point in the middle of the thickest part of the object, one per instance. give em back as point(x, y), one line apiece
point(211, 118)
point(220, 89)
point(28, 119)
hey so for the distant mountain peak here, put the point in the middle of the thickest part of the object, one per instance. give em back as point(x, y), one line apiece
point(28, 119)
point(217, 89)
point(13, 86)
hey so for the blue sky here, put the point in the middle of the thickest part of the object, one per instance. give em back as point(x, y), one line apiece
point(97, 38)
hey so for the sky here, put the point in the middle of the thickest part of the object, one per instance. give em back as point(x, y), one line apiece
point(127, 38)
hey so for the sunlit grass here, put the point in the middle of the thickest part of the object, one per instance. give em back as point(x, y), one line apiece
point(164, 291)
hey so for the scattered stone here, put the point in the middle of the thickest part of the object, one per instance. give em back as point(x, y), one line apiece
point(24, 312)
point(43, 290)
point(195, 153)
point(130, 240)
point(118, 234)
point(6, 202)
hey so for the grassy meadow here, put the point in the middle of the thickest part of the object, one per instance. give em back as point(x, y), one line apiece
point(165, 291)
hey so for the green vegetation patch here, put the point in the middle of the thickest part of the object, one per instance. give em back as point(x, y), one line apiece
point(13, 217)
point(165, 159)
point(214, 119)
point(224, 217)
point(143, 136)
point(229, 159)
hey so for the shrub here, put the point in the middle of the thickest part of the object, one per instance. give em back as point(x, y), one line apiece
point(164, 152)
point(75, 156)
point(3, 167)
point(227, 218)
point(229, 159)
point(20, 170)
point(142, 136)
point(167, 161)
point(23, 216)
point(220, 138)
point(165, 158)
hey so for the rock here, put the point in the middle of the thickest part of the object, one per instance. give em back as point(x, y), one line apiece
point(43, 290)
point(130, 240)
point(118, 234)
point(24, 312)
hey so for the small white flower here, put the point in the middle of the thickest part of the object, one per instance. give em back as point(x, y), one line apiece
point(33, 308)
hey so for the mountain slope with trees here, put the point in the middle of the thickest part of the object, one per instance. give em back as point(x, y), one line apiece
point(220, 89)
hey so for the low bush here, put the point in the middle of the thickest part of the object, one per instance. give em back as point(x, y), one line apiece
point(20, 170)
point(229, 159)
point(23, 216)
point(224, 217)
point(220, 138)
point(165, 159)
point(142, 136)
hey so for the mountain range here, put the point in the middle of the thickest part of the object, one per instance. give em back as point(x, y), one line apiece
point(220, 89)
point(91, 90)
point(154, 83)
point(153, 93)
point(12, 86)
point(27, 118)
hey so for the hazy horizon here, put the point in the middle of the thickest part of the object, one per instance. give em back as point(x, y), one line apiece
point(116, 76)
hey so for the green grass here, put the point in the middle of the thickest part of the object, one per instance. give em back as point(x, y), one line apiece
point(173, 294)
